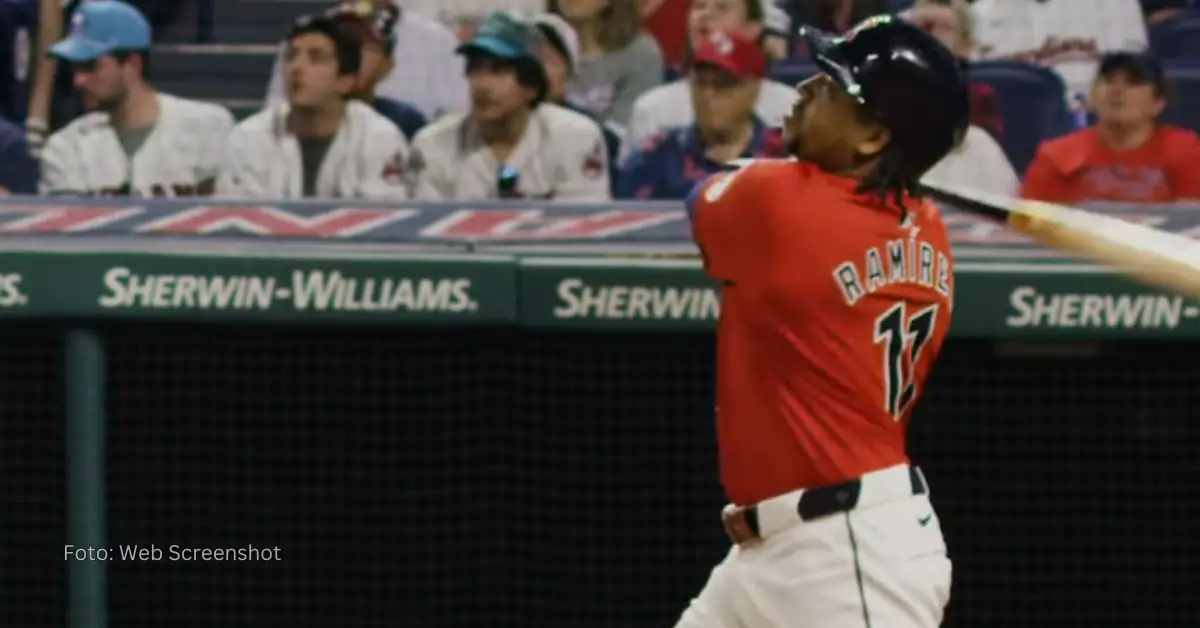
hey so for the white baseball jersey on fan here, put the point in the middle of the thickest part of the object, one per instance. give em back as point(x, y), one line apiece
point(670, 105)
point(184, 150)
point(979, 164)
point(561, 156)
point(428, 74)
point(365, 160)
point(1067, 35)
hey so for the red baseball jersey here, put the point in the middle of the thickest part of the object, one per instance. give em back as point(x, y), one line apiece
point(832, 314)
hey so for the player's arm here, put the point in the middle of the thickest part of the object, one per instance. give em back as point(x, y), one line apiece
point(730, 224)
point(384, 159)
point(50, 30)
point(245, 170)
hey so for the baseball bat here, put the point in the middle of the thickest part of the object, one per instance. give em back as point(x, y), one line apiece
point(1153, 257)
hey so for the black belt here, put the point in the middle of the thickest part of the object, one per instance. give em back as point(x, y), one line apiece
point(823, 501)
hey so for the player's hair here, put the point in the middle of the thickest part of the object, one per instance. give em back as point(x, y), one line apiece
point(620, 23)
point(890, 179)
point(124, 55)
point(531, 74)
point(347, 49)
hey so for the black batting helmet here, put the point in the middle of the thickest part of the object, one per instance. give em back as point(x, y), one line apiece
point(906, 79)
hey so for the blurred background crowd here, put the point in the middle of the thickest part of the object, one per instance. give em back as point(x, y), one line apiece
point(1072, 100)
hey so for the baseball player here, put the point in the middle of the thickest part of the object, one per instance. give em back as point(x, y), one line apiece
point(838, 285)
point(321, 143)
point(511, 143)
point(726, 74)
point(138, 142)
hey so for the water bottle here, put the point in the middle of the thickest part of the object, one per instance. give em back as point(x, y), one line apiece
point(506, 182)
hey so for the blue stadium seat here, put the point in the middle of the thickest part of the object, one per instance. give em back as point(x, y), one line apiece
point(1032, 102)
point(792, 72)
point(1184, 110)
point(1177, 36)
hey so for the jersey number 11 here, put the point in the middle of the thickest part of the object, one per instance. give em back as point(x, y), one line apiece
point(902, 336)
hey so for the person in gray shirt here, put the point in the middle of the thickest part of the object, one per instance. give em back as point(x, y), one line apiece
point(618, 61)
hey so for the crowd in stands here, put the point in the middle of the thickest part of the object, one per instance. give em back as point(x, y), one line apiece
point(589, 100)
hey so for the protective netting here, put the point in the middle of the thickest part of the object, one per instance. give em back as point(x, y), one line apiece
point(476, 477)
point(32, 478)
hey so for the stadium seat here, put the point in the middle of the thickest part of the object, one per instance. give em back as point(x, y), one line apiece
point(792, 72)
point(213, 72)
point(1184, 110)
point(1177, 36)
point(1032, 102)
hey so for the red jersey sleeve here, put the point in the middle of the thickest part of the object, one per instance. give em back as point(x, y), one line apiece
point(729, 223)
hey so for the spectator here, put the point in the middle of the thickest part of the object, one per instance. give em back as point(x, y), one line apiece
point(137, 142)
point(511, 143)
point(558, 60)
point(670, 105)
point(1127, 155)
point(977, 163)
point(18, 170)
point(727, 72)
point(321, 143)
point(1065, 35)
point(617, 60)
point(374, 30)
point(425, 71)
point(953, 24)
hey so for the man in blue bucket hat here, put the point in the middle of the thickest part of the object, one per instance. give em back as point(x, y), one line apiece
point(511, 143)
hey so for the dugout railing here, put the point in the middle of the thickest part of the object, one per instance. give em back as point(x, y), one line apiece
point(482, 441)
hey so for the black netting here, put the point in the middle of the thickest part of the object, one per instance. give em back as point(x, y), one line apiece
point(32, 477)
point(503, 478)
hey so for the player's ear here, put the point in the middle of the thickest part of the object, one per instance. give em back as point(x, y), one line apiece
point(872, 140)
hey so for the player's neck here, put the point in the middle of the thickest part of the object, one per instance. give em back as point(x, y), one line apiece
point(1124, 137)
point(316, 122)
point(140, 109)
point(727, 144)
point(503, 135)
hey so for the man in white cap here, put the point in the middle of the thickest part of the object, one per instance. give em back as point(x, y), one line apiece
point(138, 141)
